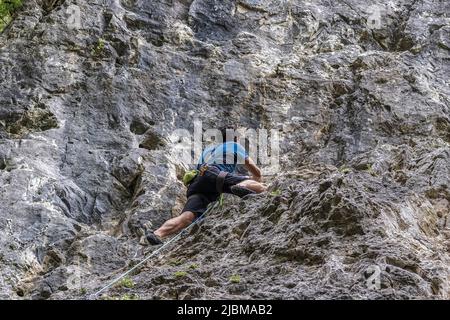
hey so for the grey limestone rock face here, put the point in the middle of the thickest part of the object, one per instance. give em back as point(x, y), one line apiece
point(91, 92)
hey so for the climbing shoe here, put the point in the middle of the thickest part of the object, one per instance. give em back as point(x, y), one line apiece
point(241, 191)
point(152, 238)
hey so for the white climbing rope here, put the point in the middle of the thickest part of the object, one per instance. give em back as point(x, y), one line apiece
point(154, 253)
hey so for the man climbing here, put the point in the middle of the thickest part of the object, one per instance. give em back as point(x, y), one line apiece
point(216, 174)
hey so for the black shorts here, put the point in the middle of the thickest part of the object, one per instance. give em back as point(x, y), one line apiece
point(202, 191)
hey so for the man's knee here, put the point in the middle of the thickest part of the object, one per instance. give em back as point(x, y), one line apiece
point(259, 187)
point(187, 217)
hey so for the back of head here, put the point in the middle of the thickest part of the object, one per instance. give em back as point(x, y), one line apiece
point(228, 134)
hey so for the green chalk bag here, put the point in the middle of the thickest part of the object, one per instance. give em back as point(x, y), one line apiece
point(189, 176)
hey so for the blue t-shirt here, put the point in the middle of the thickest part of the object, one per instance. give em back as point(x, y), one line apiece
point(225, 156)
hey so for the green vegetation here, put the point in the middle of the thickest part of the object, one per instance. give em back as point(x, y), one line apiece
point(370, 170)
point(221, 201)
point(175, 262)
point(7, 9)
point(83, 291)
point(345, 170)
point(99, 47)
point(126, 296)
point(180, 274)
point(126, 283)
point(235, 278)
point(193, 266)
point(275, 193)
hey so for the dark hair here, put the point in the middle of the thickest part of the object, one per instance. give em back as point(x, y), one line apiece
point(224, 134)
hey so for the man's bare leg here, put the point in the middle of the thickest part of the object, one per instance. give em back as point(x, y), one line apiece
point(176, 224)
point(253, 185)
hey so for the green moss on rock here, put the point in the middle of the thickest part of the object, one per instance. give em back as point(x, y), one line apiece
point(7, 9)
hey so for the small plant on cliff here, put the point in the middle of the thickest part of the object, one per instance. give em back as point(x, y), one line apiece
point(99, 47)
point(371, 171)
point(193, 266)
point(175, 262)
point(7, 9)
point(235, 278)
point(275, 193)
point(180, 274)
point(345, 170)
point(127, 296)
point(126, 283)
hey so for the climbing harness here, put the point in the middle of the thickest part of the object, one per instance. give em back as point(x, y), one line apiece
point(189, 176)
point(156, 252)
point(203, 169)
point(220, 180)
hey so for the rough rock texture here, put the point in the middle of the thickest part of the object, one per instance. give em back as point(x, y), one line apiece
point(359, 93)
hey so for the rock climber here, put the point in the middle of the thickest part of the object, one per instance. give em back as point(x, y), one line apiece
point(215, 174)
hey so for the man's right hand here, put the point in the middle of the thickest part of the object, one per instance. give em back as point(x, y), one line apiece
point(251, 166)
